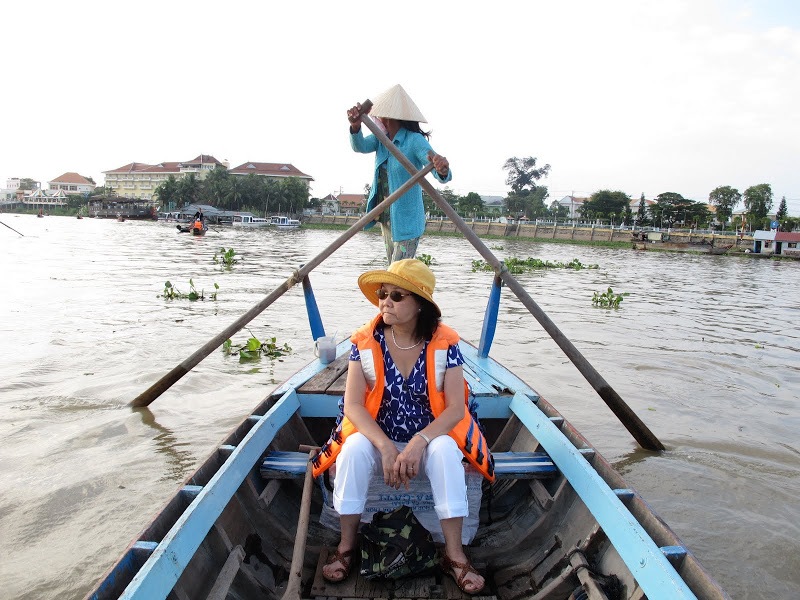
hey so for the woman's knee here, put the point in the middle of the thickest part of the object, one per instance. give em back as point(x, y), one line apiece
point(443, 450)
point(357, 447)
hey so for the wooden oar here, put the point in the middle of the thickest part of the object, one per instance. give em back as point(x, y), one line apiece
point(298, 555)
point(163, 384)
point(12, 229)
point(629, 419)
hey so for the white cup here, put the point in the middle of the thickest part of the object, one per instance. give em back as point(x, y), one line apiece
point(325, 349)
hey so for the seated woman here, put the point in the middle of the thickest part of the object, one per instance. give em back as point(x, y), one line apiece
point(405, 415)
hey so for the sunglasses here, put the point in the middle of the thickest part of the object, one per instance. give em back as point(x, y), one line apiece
point(395, 296)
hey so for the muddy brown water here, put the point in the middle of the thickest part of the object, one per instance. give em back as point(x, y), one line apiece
point(704, 349)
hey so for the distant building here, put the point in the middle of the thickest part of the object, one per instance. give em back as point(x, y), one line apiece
point(41, 198)
point(573, 204)
point(272, 170)
point(13, 183)
point(140, 180)
point(348, 204)
point(494, 204)
point(72, 184)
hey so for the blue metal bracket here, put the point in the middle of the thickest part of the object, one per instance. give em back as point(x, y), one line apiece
point(490, 318)
point(314, 319)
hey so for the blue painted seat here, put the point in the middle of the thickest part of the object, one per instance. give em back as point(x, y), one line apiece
point(507, 465)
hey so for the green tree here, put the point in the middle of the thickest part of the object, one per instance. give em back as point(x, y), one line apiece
point(669, 207)
point(188, 189)
point(725, 198)
point(641, 212)
point(471, 204)
point(526, 196)
point(233, 197)
point(26, 183)
point(605, 204)
point(523, 174)
point(758, 201)
point(294, 194)
point(782, 210)
point(215, 187)
point(167, 193)
point(627, 215)
point(528, 202)
point(558, 210)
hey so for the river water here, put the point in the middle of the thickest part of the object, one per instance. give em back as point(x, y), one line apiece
point(704, 349)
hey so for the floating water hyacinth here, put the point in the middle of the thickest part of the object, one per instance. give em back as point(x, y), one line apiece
point(516, 266)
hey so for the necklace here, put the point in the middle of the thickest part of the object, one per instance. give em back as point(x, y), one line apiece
point(399, 347)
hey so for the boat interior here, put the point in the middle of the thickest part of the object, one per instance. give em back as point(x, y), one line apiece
point(536, 536)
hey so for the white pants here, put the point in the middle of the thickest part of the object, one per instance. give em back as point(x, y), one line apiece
point(359, 460)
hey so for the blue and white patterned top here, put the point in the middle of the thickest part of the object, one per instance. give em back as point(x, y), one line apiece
point(405, 407)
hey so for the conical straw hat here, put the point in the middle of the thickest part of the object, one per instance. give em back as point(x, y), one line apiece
point(395, 103)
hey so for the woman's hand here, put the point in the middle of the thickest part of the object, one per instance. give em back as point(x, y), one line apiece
point(406, 465)
point(439, 163)
point(388, 459)
point(354, 117)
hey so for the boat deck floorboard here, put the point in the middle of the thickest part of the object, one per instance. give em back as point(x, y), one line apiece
point(432, 586)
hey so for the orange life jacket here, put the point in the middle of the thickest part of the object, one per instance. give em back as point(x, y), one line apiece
point(467, 433)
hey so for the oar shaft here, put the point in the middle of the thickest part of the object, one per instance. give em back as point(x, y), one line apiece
point(12, 229)
point(294, 584)
point(163, 384)
point(632, 423)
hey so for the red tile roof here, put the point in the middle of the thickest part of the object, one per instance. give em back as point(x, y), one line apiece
point(786, 236)
point(71, 177)
point(352, 200)
point(269, 169)
point(203, 158)
point(164, 167)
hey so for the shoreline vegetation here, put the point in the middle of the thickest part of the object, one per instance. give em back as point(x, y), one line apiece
point(683, 241)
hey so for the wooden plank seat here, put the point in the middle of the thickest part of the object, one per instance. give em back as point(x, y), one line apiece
point(507, 465)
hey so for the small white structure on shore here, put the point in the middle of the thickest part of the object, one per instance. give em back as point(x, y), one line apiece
point(779, 243)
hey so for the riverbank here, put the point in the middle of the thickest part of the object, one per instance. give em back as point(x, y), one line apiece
point(565, 234)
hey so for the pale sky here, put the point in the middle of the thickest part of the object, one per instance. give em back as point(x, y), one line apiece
point(639, 96)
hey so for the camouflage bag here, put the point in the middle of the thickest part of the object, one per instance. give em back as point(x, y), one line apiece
point(395, 545)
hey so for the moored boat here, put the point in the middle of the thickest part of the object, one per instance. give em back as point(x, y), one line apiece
point(249, 221)
point(282, 222)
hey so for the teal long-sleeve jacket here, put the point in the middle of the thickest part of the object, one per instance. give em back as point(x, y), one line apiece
point(407, 214)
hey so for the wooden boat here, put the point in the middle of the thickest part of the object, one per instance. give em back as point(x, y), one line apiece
point(558, 523)
point(557, 518)
point(193, 229)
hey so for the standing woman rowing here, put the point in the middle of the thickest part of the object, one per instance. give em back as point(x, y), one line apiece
point(398, 116)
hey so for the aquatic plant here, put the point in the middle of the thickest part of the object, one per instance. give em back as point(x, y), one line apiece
point(427, 259)
point(608, 299)
point(253, 348)
point(516, 265)
point(227, 257)
point(171, 292)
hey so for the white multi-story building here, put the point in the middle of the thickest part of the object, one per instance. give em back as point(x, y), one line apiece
point(72, 184)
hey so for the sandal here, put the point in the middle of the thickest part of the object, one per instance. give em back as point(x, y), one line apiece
point(346, 558)
point(448, 566)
